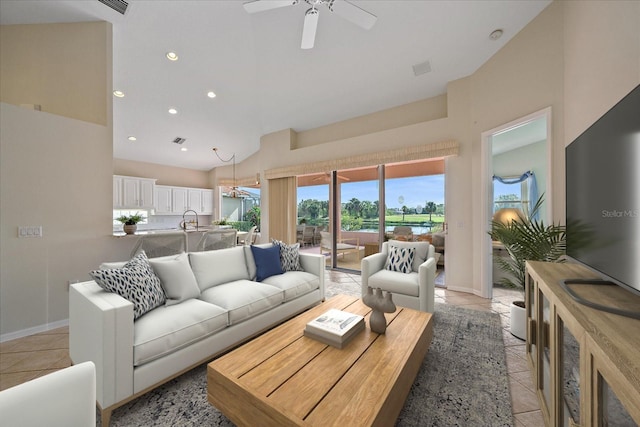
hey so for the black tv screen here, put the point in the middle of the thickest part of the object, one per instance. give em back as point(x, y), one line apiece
point(603, 194)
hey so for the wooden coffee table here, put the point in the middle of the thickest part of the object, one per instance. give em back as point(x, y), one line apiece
point(283, 378)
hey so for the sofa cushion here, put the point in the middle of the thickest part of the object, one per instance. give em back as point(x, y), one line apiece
point(400, 259)
point(395, 282)
point(267, 261)
point(212, 268)
point(169, 328)
point(294, 283)
point(176, 278)
point(421, 253)
point(289, 256)
point(120, 264)
point(135, 281)
point(243, 298)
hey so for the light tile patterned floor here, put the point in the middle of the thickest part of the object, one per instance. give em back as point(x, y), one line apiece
point(26, 358)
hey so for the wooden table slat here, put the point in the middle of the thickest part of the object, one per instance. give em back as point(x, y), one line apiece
point(283, 378)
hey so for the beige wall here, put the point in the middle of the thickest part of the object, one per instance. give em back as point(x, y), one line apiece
point(535, 70)
point(55, 171)
point(165, 175)
point(580, 58)
point(61, 67)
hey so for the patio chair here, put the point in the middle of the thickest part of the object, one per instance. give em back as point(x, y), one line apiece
point(218, 239)
point(326, 245)
point(161, 244)
point(403, 232)
point(307, 235)
point(249, 238)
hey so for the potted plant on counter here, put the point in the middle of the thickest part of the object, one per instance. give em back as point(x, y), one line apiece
point(130, 222)
point(525, 239)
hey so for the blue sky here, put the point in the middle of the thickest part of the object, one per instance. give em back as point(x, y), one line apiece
point(415, 191)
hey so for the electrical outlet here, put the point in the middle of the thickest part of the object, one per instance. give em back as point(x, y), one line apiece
point(30, 231)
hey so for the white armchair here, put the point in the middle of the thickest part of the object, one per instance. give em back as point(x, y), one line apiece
point(63, 398)
point(415, 289)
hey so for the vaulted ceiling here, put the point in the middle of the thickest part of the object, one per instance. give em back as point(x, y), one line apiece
point(262, 79)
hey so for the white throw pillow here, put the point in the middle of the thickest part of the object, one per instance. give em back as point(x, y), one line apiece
point(400, 259)
point(176, 278)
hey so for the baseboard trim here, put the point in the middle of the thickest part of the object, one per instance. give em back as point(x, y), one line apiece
point(34, 330)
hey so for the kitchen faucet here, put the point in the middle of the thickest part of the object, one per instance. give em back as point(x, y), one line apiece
point(183, 224)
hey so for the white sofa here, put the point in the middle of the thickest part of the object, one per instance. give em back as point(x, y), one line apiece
point(414, 289)
point(133, 357)
point(65, 398)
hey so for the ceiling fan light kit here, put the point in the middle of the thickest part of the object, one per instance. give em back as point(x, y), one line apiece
point(343, 8)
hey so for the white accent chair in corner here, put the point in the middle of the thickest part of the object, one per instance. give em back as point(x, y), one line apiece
point(65, 398)
point(415, 289)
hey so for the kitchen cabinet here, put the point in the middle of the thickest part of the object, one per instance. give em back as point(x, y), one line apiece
point(179, 200)
point(164, 204)
point(207, 202)
point(131, 192)
point(194, 198)
point(170, 200)
point(117, 191)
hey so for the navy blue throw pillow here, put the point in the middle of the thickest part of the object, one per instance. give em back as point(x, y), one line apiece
point(267, 261)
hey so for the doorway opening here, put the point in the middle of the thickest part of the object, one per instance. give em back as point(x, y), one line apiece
point(516, 168)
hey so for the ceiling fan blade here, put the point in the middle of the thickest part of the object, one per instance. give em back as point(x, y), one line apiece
point(309, 29)
point(353, 13)
point(262, 5)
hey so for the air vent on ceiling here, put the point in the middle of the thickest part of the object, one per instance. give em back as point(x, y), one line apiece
point(179, 140)
point(422, 68)
point(119, 6)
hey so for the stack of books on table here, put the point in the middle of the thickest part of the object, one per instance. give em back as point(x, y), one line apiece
point(335, 327)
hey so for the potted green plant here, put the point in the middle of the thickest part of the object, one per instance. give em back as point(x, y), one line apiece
point(130, 222)
point(525, 239)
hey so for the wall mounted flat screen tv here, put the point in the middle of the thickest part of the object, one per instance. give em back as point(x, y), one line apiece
point(603, 195)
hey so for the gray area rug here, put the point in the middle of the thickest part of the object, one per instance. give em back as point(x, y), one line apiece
point(462, 382)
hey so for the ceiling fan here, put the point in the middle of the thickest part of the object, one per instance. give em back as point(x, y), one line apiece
point(348, 11)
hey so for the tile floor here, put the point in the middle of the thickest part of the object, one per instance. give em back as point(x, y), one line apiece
point(26, 358)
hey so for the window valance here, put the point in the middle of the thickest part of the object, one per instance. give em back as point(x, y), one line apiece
point(401, 154)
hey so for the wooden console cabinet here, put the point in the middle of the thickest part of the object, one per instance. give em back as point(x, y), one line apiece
point(585, 362)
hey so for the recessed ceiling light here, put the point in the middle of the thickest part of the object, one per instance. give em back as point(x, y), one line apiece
point(132, 138)
point(210, 94)
point(183, 149)
point(172, 56)
point(496, 34)
point(118, 93)
point(173, 111)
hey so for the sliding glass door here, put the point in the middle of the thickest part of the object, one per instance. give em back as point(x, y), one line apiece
point(353, 211)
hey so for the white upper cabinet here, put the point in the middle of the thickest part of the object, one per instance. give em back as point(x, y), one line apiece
point(176, 200)
point(179, 198)
point(207, 202)
point(164, 204)
point(117, 191)
point(194, 196)
point(130, 192)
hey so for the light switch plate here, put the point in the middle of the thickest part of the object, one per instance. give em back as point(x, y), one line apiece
point(29, 231)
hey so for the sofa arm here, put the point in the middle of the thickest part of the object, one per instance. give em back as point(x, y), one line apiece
point(63, 398)
point(370, 265)
point(314, 264)
point(101, 331)
point(427, 285)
